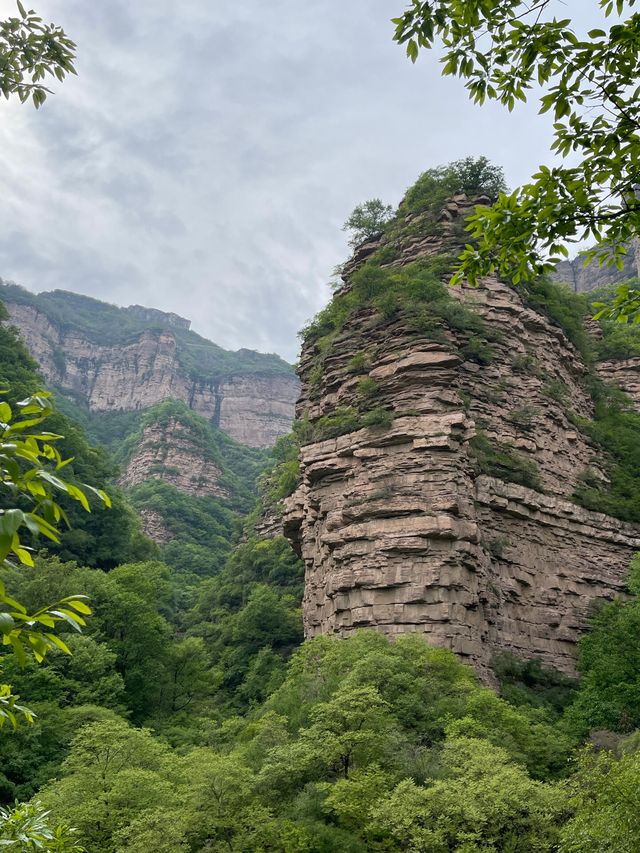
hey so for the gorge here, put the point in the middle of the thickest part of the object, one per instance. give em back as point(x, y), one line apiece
point(449, 480)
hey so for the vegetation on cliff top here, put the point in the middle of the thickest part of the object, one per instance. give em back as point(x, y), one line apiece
point(587, 81)
point(417, 293)
point(108, 325)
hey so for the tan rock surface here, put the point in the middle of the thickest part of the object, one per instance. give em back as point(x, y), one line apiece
point(254, 409)
point(153, 526)
point(397, 530)
point(167, 452)
point(625, 374)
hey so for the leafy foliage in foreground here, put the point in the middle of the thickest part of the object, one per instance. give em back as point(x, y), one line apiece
point(589, 84)
point(27, 828)
point(29, 52)
point(102, 538)
point(609, 660)
point(30, 465)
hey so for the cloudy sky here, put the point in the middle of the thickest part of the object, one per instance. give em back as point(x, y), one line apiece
point(207, 154)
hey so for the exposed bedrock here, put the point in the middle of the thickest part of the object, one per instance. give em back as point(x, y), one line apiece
point(254, 408)
point(398, 528)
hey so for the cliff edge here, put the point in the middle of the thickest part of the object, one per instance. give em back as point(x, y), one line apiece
point(445, 448)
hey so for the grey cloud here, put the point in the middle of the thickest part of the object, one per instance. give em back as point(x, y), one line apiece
point(207, 154)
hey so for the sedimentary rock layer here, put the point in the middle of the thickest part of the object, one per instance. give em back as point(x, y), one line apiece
point(398, 529)
point(167, 452)
point(255, 408)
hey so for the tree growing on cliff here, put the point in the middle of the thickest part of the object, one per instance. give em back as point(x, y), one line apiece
point(367, 220)
point(29, 52)
point(590, 86)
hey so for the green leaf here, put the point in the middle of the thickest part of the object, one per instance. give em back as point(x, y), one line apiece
point(7, 623)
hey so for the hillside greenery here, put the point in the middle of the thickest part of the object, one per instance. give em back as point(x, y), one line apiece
point(109, 325)
point(191, 716)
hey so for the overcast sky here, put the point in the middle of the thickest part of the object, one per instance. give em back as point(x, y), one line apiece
point(207, 154)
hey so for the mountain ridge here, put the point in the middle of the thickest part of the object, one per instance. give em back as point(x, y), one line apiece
point(124, 359)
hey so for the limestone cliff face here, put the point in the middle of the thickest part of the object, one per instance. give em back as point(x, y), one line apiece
point(579, 278)
point(254, 408)
point(167, 452)
point(399, 531)
point(625, 374)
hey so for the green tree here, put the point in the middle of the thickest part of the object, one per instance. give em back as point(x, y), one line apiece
point(350, 731)
point(219, 793)
point(113, 773)
point(606, 804)
point(480, 802)
point(249, 617)
point(609, 662)
point(29, 52)
point(474, 176)
point(155, 829)
point(187, 675)
point(589, 80)
point(367, 220)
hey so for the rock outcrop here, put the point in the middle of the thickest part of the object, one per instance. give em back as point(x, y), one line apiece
point(167, 452)
point(625, 374)
point(399, 529)
point(255, 408)
point(579, 278)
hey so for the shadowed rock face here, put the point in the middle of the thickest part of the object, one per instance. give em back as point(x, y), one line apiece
point(579, 278)
point(255, 408)
point(396, 528)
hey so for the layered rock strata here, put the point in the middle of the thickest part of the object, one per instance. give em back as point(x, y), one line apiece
point(625, 375)
point(167, 452)
point(581, 278)
point(255, 408)
point(398, 529)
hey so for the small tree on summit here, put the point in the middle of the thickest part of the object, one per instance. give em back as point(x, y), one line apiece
point(367, 220)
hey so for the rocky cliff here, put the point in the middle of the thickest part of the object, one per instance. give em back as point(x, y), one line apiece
point(128, 359)
point(167, 451)
point(442, 448)
point(579, 278)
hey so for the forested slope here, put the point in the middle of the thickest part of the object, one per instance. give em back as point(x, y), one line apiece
point(193, 717)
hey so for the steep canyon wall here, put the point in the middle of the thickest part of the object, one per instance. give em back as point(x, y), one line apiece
point(399, 527)
point(254, 408)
